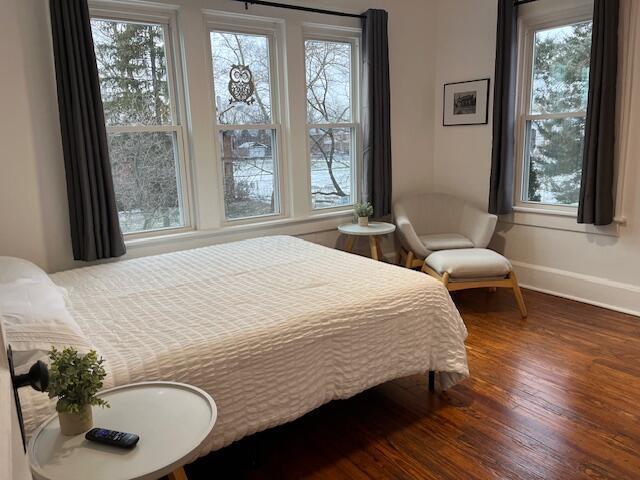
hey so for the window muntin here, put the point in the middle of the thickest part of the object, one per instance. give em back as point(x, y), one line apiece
point(244, 89)
point(145, 145)
point(331, 128)
point(553, 123)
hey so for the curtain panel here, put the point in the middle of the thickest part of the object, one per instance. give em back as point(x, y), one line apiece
point(596, 205)
point(504, 99)
point(93, 215)
point(376, 112)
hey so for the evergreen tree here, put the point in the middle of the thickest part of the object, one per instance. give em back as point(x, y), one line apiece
point(133, 79)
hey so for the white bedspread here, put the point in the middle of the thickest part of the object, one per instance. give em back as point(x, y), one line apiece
point(271, 327)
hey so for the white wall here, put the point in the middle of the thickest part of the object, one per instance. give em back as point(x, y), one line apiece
point(33, 203)
point(33, 206)
point(595, 268)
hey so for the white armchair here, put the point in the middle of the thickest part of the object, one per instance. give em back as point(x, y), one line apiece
point(428, 222)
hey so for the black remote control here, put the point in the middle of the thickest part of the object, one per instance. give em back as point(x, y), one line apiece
point(113, 438)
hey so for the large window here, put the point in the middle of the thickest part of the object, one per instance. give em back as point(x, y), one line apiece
point(246, 122)
point(552, 120)
point(264, 131)
point(331, 121)
point(144, 133)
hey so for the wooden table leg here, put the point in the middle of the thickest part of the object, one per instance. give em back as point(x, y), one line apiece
point(350, 241)
point(379, 248)
point(373, 245)
point(178, 474)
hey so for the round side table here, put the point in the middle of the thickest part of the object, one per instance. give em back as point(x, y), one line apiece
point(172, 419)
point(374, 230)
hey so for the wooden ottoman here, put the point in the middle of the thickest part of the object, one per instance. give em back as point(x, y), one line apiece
point(464, 268)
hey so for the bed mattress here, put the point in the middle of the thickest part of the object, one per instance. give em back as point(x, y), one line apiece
point(271, 327)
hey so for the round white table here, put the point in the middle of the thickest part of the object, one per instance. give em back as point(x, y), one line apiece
point(374, 230)
point(172, 420)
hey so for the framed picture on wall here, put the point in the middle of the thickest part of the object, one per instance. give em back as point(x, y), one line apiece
point(466, 103)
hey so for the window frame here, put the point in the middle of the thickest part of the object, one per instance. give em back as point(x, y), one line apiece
point(168, 20)
point(528, 26)
point(274, 35)
point(352, 36)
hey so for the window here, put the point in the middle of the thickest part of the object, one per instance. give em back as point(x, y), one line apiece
point(144, 133)
point(331, 121)
point(552, 120)
point(246, 122)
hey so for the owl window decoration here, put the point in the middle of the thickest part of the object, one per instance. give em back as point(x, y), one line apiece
point(241, 86)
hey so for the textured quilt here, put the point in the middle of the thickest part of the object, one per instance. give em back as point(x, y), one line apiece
point(271, 327)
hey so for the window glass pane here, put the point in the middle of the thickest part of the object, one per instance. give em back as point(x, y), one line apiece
point(553, 160)
point(132, 67)
point(241, 78)
point(249, 170)
point(331, 166)
point(561, 69)
point(145, 178)
point(328, 77)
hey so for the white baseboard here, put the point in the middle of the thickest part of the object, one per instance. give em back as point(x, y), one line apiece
point(621, 297)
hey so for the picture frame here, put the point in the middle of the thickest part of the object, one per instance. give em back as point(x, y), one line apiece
point(466, 103)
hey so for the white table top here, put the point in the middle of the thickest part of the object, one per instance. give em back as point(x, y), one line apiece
point(172, 420)
point(374, 228)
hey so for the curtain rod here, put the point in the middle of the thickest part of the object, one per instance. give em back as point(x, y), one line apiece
point(327, 12)
point(298, 7)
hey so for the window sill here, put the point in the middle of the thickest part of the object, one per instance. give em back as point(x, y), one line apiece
point(313, 223)
point(559, 220)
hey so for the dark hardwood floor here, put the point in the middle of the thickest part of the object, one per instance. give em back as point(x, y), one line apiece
point(556, 396)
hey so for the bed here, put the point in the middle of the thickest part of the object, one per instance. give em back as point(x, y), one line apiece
point(271, 327)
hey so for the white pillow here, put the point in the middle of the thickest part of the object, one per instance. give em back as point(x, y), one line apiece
point(35, 318)
point(14, 269)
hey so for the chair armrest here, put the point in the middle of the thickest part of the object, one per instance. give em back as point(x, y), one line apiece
point(408, 235)
point(478, 226)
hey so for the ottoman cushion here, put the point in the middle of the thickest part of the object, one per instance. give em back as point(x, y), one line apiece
point(469, 263)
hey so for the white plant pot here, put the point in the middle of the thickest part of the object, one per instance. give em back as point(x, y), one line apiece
point(76, 423)
point(363, 221)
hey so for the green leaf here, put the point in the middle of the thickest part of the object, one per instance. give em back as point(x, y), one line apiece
point(75, 379)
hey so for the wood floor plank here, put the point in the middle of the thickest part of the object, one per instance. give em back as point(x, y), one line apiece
point(555, 396)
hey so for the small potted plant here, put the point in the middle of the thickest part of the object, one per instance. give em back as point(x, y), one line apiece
point(363, 211)
point(75, 380)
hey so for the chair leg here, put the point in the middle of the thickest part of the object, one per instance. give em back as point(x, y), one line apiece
point(518, 294)
point(409, 261)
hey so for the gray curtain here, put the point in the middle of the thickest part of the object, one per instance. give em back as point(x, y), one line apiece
point(504, 97)
point(95, 230)
point(376, 112)
point(596, 189)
